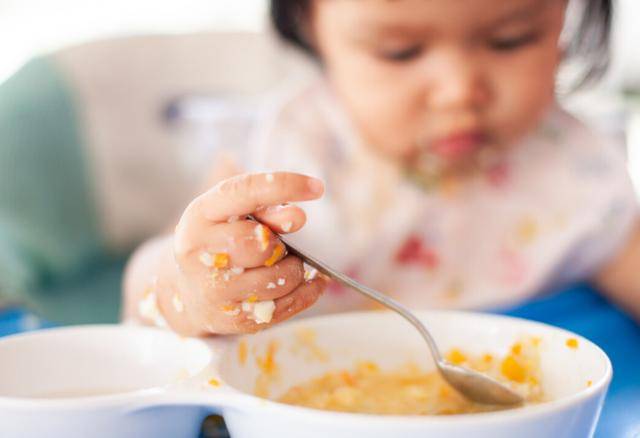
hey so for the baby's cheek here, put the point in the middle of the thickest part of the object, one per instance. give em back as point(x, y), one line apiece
point(521, 99)
point(519, 117)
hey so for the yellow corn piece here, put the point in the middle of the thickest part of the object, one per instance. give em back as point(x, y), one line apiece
point(252, 298)
point(220, 260)
point(572, 343)
point(512, 370)
point(456, 357)
point(278, 251)
point(214, 382)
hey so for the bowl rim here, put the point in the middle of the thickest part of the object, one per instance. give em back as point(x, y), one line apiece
point(598, 388)
point(247, 402)
point(99, 400)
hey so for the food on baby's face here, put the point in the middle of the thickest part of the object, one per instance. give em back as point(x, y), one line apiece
point(410, 391)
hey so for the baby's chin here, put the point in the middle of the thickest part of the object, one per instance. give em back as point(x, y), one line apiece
point(432, 164)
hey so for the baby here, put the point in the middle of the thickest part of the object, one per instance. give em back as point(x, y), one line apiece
point(445, 174)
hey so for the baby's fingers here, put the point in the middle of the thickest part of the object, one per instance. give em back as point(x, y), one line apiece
point(241, 244)
point(300, 299)
point(282, 218)
point(253, 318)
point(244, 194)
point(259, 283)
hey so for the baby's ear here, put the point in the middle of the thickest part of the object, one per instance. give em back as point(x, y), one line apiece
point(224, 167)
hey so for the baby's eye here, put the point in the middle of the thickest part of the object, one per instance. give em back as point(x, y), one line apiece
point(401, 55)
point(512, 43)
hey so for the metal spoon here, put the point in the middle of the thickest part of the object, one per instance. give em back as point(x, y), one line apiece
point(472, 384)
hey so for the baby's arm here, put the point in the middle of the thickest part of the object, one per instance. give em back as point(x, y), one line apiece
point(620, 278)
point(218, 268)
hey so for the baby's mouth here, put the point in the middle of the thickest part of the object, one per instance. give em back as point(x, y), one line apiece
point(458, 146)
point(456, 154)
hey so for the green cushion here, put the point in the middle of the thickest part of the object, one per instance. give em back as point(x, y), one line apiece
point(49, 232)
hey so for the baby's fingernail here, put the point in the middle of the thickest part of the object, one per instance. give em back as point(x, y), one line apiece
point(286, 227)
point(316, 186)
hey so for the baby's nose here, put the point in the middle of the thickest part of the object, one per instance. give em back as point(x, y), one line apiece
point(456, 83)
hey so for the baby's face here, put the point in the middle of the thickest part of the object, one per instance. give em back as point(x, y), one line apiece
point(440, 78)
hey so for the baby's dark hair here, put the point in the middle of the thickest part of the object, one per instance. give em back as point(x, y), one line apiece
point(589, 45)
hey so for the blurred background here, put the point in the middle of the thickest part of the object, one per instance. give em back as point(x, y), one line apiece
point(119, 72)
point(90, 74)
point(37, 26)
point(230, 46)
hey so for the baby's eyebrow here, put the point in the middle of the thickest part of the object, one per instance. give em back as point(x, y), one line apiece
point(399, 31)
point(525, 13)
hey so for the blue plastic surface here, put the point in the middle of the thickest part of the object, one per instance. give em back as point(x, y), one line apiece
point(582, 310)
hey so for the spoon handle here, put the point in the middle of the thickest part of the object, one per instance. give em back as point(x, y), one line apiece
point(367, 291)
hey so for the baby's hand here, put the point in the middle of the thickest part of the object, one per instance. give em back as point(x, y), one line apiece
point(234, 273)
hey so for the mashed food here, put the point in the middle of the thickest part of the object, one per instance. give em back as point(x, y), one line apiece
point(410, 391)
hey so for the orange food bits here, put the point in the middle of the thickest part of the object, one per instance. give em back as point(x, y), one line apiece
point(444, 391)
point(516, 348)
point(242, 352)
point(220, 260)
point(487, 358)
point(456, 357)
point(572, 343)
point(527, 230)
point(252, 298)
point(214, 382)
point(512, 370)
point(368, 366)
point(268, 364)
point(589, 382)
point(278, 251)
point(347, 378)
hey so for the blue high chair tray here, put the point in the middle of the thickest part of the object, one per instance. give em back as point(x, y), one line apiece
point(582, 310)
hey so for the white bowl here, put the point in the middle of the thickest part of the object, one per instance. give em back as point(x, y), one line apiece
point(108, 381)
